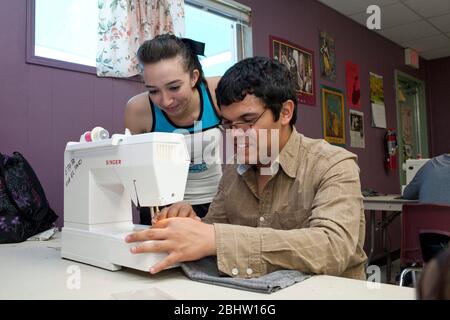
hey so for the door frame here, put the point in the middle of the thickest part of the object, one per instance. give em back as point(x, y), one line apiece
point(422, 121)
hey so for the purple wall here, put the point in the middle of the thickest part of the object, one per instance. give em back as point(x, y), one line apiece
point(299, 22)
point(439, 100)
point(42, 108)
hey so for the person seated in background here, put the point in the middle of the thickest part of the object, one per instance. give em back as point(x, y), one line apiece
point(301, 210)
point(434, 283)
point(431, 184)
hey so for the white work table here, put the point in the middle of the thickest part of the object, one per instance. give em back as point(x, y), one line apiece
point(34, 270)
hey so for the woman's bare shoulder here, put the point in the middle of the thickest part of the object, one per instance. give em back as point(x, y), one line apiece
point(138, 115)
point(212, 82)
point(138, 102)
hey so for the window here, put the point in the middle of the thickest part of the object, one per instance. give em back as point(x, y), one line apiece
point(219, 37)
point(65, 30)
point(223, 27)
point(65, 33)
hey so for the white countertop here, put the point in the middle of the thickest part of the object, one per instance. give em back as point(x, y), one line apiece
point(35, 270)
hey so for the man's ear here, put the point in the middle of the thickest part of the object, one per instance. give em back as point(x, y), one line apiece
point(194, 77)
point(287, 110)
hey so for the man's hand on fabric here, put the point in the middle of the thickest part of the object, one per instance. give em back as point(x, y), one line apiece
point(179, 209)
point(184, 239)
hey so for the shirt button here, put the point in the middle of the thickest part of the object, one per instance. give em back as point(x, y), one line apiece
point(249, 271)
point(234, 271)
point(261, 219)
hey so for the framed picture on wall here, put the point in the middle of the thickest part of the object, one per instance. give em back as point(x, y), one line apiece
point(333, 115)
point(327, 57)
point(300, 62)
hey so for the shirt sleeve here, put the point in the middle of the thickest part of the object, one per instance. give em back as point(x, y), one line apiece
point(411, 191)
point(325, 247)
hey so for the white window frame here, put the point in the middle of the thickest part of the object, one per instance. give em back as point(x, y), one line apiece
point(227, 8)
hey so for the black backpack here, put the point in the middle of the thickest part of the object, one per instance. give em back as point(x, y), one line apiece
point(24, 209)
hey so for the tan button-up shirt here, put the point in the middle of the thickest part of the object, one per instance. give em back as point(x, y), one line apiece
point(310, 216)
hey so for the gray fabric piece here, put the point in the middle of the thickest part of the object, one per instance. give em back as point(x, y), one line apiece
point(205, 270)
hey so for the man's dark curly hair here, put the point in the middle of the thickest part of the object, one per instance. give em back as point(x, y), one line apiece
point(267, 79)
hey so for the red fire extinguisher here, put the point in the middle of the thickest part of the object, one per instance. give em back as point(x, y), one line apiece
point(391, 149)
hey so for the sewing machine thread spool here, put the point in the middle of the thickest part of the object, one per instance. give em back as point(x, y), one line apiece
point(96, 134)
point(99, 133)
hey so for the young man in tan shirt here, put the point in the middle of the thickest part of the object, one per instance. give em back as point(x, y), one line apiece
point(302, 210)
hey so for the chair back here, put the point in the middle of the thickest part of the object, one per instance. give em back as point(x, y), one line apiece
point(432, 242)
point(423, 219)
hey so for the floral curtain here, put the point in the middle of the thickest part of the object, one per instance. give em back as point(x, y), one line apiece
point(125, 24)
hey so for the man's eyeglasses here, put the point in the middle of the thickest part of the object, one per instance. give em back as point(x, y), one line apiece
point(244, 125)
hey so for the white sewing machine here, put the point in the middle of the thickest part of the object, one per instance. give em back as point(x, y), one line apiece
point(100, 180)
point(411, 166)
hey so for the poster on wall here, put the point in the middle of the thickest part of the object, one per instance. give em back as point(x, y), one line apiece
point(327, 57)
point(300, 62)
point(333, 115)
point(406, 113)
point(377, 101)
point(356, 129)
point(353, 85)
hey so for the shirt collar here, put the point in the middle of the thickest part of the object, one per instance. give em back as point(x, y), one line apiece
point(287, 159)
point(243, 168)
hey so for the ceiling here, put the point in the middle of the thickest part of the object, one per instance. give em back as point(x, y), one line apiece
point(423, 25)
